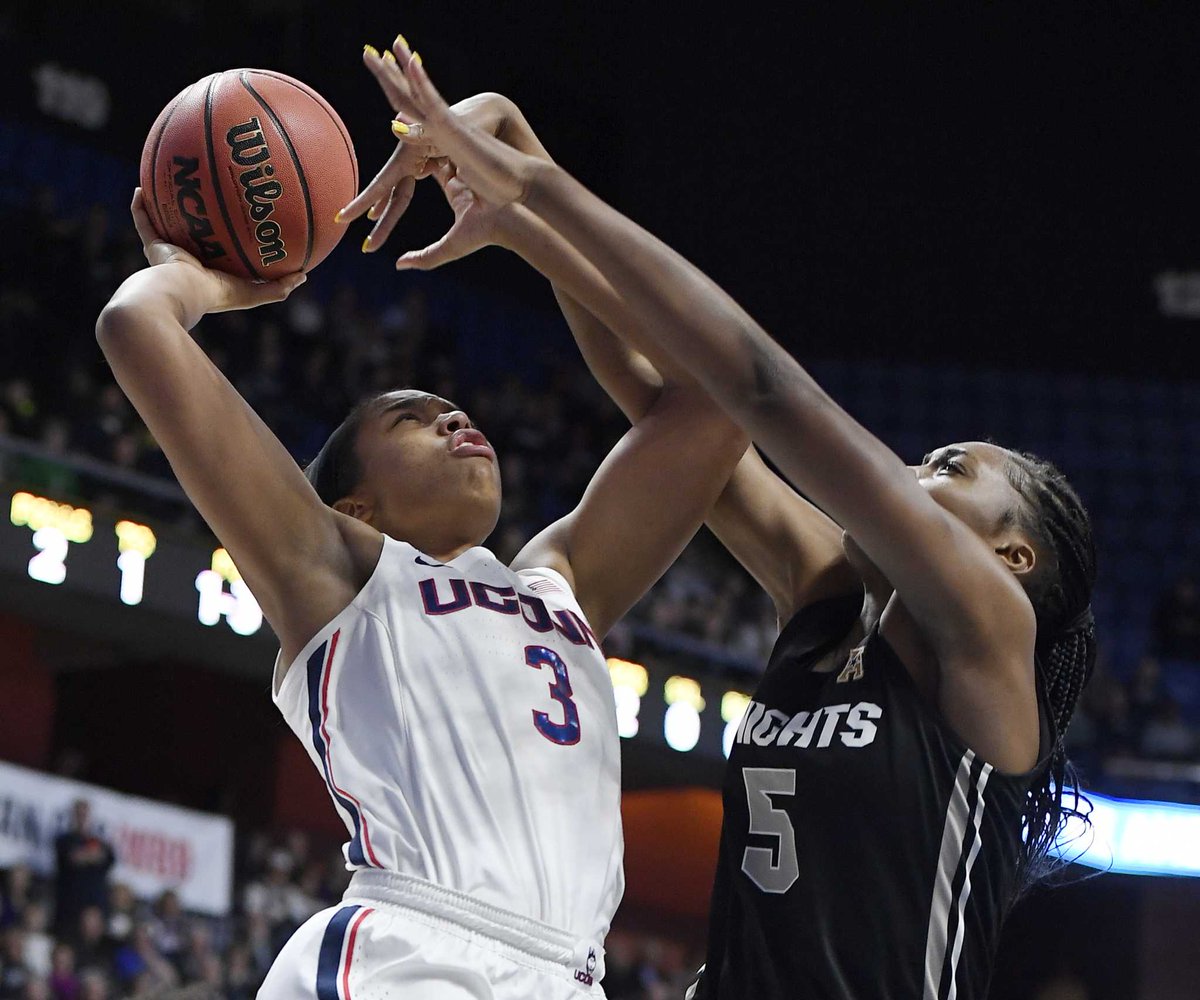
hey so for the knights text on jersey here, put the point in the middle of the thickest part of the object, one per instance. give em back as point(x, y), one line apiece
point(462, 718)
point(866, 853)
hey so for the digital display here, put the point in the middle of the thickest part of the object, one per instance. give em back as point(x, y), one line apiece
point(183, 587)
point(62, 545)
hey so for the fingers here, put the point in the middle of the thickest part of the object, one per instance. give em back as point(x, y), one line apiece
point(445, 250)
point(240, 293)
point(141, 220)
point(380, 187)
point(396, 207)
point(389, 77)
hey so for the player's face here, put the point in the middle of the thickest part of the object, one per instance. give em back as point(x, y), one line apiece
point(970, 480)
point(429, 475)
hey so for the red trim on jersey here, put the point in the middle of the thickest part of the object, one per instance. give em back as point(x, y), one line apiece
point(350, 952)
point(362, 816)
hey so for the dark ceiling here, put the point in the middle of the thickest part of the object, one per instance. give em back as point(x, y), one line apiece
point(979, 187)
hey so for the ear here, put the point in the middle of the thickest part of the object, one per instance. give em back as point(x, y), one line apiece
point(1018, 555)
point(355, 507)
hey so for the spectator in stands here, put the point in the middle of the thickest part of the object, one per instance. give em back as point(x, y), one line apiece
point(94, 985)
point(1177, 621)
point(17, 891)
point(122, 913)
point(283, 904)
point(200, 949)
point(83, 861)
point(38, 943)
point(64, 983)
point(37, 989)
point(91, 943)
point(241, 978)
point(170, 928)
point(140, 965)
point(14, 972)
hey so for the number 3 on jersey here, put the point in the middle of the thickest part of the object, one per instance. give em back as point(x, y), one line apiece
point(762, 867)
point(565, 733)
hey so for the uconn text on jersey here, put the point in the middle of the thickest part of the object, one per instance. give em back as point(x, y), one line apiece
point(464, 594)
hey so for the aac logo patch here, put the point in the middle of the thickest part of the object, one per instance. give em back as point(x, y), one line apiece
point(853, 670)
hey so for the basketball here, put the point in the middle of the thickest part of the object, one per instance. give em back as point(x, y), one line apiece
point(246, 169)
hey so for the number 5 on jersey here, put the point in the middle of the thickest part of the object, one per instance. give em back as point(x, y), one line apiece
point(565, 733)
point(773, 870)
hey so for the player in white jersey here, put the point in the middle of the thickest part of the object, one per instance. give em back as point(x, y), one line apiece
point(459, 710)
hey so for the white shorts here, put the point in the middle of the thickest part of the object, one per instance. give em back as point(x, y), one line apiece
point(398, 937)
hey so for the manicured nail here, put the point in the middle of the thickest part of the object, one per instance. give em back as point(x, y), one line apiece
point(417, 59)
point(337, 219)
point(366, 244)
point(373, 212)
point(371, 51)
point(399, 128)
point(388, 57)
point(401, 42)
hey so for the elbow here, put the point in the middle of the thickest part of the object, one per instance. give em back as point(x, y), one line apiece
point(112, 319)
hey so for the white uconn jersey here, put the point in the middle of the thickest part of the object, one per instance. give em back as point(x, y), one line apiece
point(462, 718)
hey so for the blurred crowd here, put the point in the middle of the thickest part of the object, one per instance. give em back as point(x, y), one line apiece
point(1148, 709)
point(302, 365)
point(81, 936)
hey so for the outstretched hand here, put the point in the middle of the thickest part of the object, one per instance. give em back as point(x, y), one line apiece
point(419, 154)
point(388, 195)
point(218, 291)
point(496, 173)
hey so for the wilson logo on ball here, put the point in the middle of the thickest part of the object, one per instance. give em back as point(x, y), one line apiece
point(248, 148)
point(190, 203)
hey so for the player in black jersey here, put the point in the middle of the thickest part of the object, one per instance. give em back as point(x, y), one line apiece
point(910, 722)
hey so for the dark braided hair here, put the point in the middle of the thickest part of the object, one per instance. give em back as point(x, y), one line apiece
point(1060, 589)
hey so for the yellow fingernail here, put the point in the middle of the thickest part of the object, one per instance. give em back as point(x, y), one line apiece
point(400, 42)
point(372, 213)
point(399, 128)
point(338, 218)
point(388, 57)
point(417, 59)
point(371, 51)
point(366, 244)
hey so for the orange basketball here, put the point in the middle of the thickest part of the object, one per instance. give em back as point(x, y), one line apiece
point(245, 169)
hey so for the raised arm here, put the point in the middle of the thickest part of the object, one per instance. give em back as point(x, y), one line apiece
point(970, 608)
point(652, 492)
point(789, 546)
point(302, 560)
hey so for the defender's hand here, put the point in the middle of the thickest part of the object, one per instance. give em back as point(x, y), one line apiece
point(495, 172)
point(475, 226)
point(388, 195)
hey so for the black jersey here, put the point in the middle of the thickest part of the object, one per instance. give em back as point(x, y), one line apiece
point(866, 851)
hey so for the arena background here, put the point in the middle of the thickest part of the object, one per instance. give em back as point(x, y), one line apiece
point(971, 225)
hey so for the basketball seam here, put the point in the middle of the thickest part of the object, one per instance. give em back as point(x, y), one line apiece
point(308, 209)
point(324, 106)
point(162, 223)
point(216, 180)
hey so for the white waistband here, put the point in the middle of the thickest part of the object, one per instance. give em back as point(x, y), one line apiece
point(530, 937)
